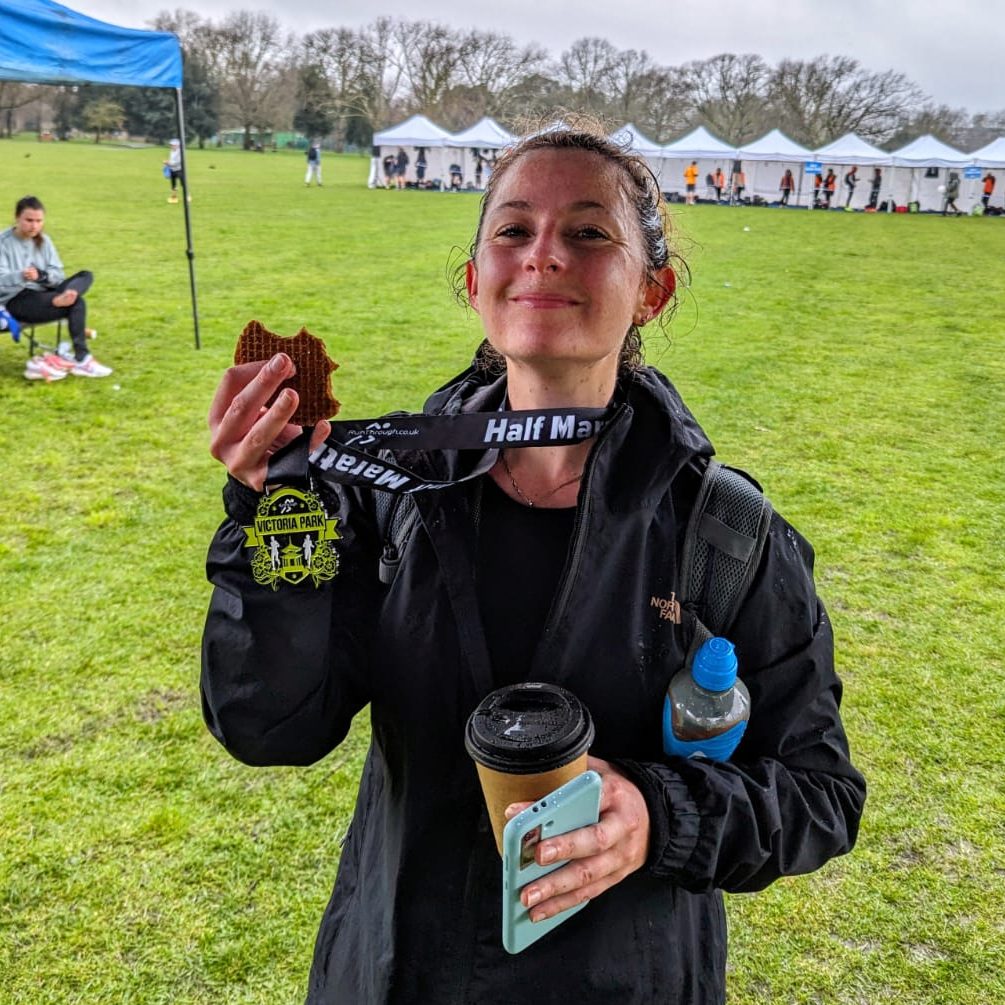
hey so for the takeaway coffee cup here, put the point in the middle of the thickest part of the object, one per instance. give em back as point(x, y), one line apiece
point(526, 740)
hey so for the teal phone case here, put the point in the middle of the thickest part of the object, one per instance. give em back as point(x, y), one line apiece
point(575, 804)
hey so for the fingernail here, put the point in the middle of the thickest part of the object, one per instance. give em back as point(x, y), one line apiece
point(278, 363)
point(548, 855)
point(510, 812)
point(533, 897)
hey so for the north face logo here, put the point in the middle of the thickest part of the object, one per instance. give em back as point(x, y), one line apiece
point(669, 607)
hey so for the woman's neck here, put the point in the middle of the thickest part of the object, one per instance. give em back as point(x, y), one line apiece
point(530, 387)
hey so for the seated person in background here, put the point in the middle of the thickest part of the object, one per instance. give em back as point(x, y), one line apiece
point(33, 287)
point(456, 176)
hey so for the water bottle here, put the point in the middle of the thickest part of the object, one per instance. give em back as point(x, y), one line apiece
point(706, 708)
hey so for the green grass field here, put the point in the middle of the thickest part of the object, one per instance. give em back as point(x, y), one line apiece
point(853, 363)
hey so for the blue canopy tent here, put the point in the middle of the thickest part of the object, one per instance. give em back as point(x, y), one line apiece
point(42, 42)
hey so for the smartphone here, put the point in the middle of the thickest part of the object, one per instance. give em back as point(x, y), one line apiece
point(573, 805)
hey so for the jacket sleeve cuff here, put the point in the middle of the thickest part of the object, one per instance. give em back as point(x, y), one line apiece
point(239, 501)
point(673, 816)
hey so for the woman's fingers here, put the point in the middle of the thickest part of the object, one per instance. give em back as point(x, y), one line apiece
point(244, 433)
point(599, 856)
point(243, 390)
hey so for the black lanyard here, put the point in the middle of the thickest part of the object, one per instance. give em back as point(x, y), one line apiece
point(344, 459)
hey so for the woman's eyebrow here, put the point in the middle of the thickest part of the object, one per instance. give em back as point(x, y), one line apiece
point(522, 204)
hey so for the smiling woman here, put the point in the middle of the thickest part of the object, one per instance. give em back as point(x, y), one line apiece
point(529, 562)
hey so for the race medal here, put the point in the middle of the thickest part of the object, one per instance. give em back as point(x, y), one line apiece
point(292, 537)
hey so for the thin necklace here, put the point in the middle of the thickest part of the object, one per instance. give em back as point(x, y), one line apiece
point(523, 495)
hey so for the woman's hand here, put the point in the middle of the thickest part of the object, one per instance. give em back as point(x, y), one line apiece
point(601, 855)
point(245, 434)
point(30, 274)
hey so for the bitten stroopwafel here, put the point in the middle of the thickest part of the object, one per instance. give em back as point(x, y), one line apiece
point(312, 381)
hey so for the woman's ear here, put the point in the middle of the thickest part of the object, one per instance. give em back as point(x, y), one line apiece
point(658, 292)
point(471, 281)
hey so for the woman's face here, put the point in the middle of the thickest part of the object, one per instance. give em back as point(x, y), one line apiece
point(29, 223)
point(559, 273)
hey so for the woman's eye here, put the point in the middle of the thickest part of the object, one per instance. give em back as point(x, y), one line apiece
point(591, 233)
point(512, 230)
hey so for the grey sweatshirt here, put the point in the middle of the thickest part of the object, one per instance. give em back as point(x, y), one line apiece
point(16, 254)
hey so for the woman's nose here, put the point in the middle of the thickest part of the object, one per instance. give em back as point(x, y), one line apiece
point(543, 254)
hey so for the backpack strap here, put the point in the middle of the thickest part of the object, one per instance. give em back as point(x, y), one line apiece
point(722, 548)
point(396, 518)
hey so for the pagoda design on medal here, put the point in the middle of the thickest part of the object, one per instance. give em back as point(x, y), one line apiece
point(293, 540)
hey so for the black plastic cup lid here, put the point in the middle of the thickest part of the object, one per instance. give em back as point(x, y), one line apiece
point(524, 729)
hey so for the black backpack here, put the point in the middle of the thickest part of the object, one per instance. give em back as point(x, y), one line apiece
point(722, 545)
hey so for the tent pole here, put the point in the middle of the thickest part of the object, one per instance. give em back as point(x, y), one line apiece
point(188, 220)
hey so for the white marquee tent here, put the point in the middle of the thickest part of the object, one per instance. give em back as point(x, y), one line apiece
point(851, 149)
point(928, 162)
point(485, 137)
point(698, 145)
point(992, 158)
point(770, 156)
point(409, 136)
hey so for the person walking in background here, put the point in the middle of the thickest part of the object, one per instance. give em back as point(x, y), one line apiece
point(739, 182)
point(874, 186)
point(989, 187)
point(389, 169)
point(420, 166)
point(787, 184)
point(830, 185)
point(691, 182)
point(173, 169)
point(818, 187)
point(952, 194)
point(34, 289)
point(313, 164)
point(400, 167)
point(719, 183)
point(850, 181)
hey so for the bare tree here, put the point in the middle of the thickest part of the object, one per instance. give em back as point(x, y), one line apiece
point(491, 65)
point(819, 100)
point(587, 67)
point(628, 69)
point(941, 121)
point(429, 55)
point(728, 93)
point(13, 95)
point(249, 53)
point(660, 106)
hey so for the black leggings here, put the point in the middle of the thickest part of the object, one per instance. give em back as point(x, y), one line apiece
point(35, 307)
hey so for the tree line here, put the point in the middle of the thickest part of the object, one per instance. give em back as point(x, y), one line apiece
point(246, 72)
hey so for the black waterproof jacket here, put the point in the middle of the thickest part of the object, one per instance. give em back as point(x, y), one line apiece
point(415, 914)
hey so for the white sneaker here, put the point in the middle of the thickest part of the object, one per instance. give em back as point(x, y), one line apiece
point(90, 367)
point(58, 362)
point(38, 369)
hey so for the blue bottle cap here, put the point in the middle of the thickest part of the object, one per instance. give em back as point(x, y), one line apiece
point(714, 666)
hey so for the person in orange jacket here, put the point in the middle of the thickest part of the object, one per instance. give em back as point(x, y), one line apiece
point(739, 183)
point(989, 187)
point(830, 184)
point(691, 182)
point(719, 184)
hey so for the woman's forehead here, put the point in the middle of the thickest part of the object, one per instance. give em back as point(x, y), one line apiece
point(561, 176)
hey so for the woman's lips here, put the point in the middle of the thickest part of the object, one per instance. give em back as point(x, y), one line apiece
point(543, 301)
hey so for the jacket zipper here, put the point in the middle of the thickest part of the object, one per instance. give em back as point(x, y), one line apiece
point(572, 567)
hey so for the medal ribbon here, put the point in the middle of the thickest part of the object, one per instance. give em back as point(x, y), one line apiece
point(345, 457)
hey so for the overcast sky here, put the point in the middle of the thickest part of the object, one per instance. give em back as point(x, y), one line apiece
point(953, 49)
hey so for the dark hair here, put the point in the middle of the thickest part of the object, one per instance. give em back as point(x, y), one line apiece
point(640, 187)
point(30, 202)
